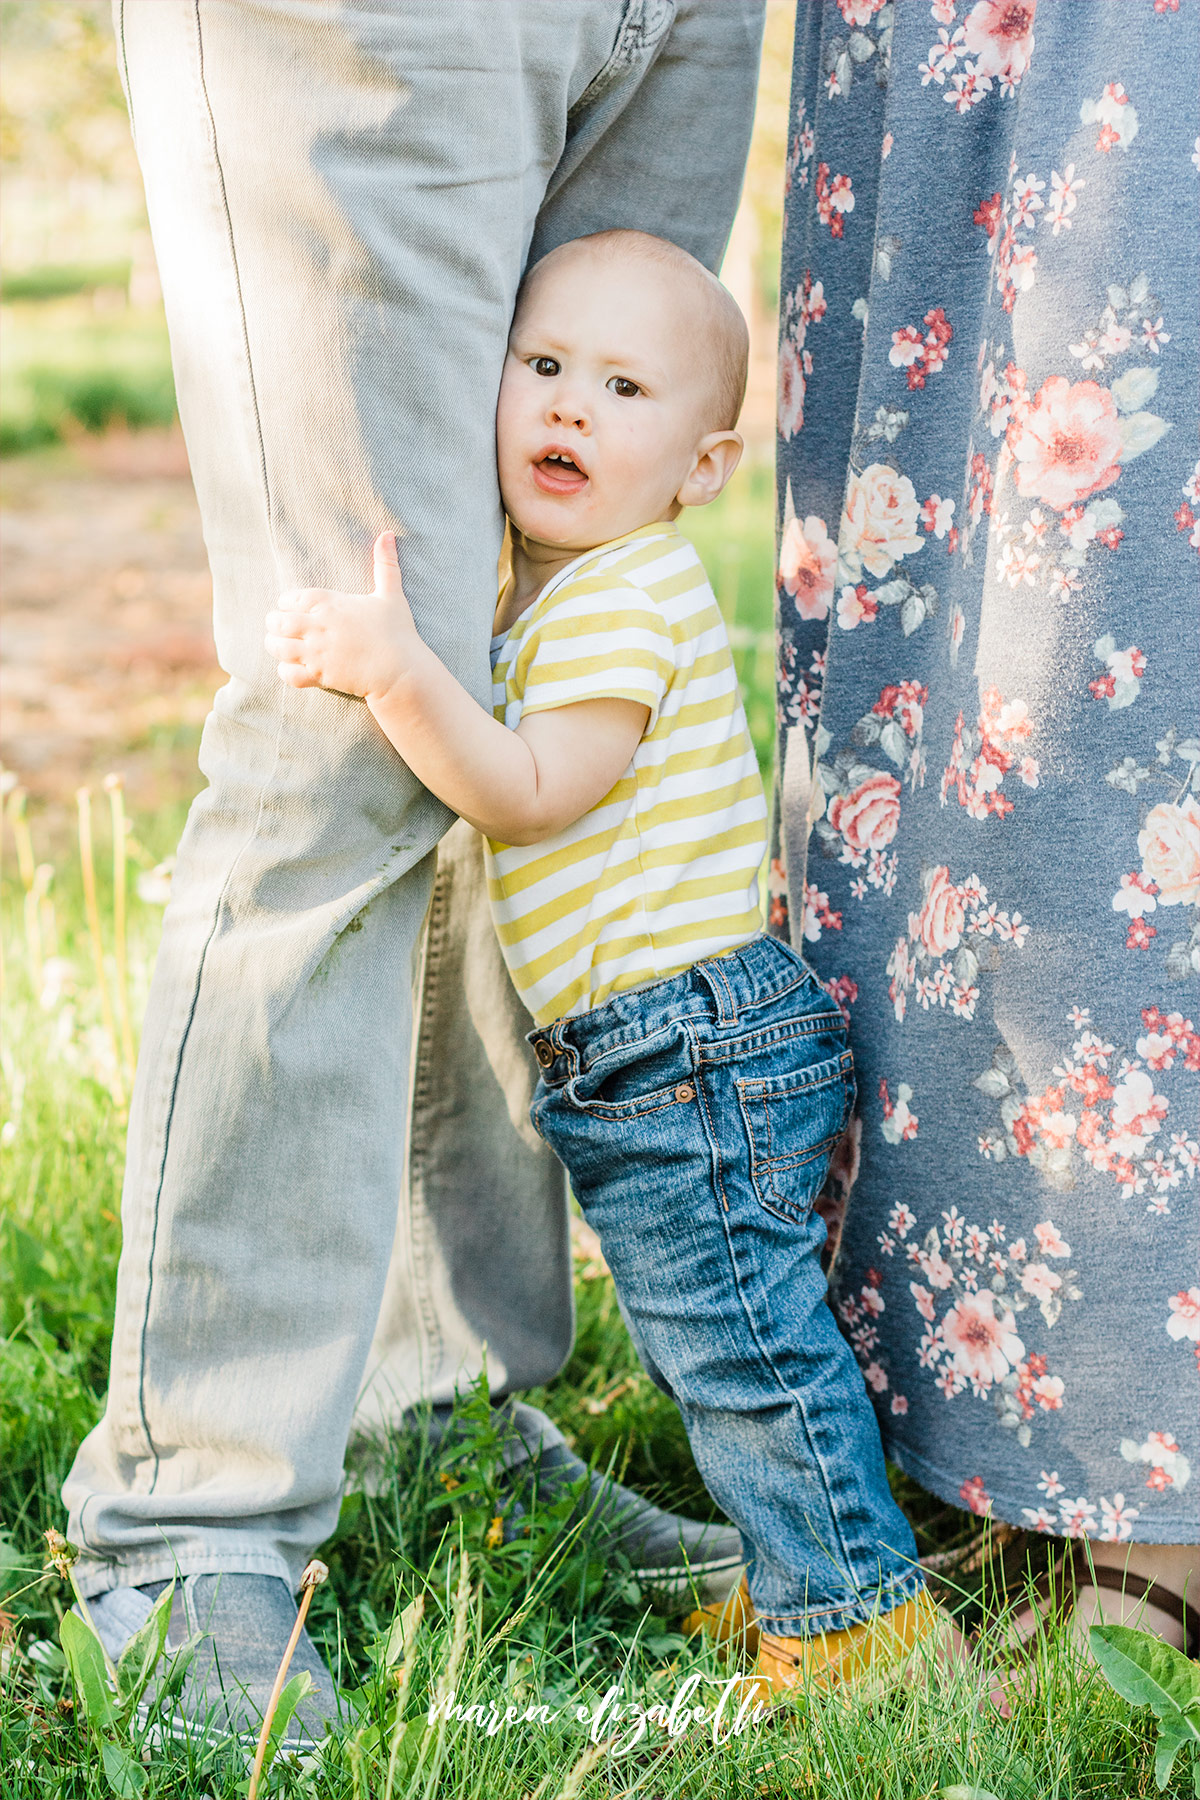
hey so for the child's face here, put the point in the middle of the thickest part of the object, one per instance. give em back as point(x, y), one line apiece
point(604, 403)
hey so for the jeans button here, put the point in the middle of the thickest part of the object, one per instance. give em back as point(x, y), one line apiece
point(685, 1091)
point(544, 1051)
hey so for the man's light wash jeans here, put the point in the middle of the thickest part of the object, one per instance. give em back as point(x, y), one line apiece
point(343, 198)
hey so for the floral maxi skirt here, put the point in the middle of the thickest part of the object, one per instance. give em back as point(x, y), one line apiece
point(989, 831)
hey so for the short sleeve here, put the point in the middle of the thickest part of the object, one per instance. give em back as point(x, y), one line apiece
point(597, 640)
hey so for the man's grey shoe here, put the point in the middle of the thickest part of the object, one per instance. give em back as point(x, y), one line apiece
point(243, 1623)
point(676, 1559)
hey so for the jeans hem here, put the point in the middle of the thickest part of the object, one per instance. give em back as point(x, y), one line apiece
point(137, 1571)
point(817, 1621)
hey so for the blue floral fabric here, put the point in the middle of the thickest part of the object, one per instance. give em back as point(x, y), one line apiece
point(988, 501)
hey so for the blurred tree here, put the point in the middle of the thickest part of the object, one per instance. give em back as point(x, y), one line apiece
point(61, 108)
point(768, 148)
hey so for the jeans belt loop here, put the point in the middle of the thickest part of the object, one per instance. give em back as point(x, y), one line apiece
point(713, 977)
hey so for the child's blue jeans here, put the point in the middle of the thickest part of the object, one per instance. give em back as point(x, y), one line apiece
point(696, 1120)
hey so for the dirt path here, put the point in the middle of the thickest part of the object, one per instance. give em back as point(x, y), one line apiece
point(107, 657)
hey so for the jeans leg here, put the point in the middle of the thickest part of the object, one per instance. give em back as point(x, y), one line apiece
point(342, 197)
point(482, 1262)
point(727, 1300)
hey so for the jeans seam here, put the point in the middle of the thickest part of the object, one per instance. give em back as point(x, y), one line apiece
point(237, 278)
point(718, 1174)
point(734, 1048)
point(123, 66)
point(217, 911)
point(431, 979)
point(794, 1399)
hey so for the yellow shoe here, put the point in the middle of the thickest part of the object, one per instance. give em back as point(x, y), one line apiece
point(831, 1658)
point(730, 1624)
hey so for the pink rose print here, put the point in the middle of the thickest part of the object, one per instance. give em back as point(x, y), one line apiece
point(807, 560)
point(999, 34)
point(983, 1343)
point(940, 922)
point(879, 524)
point(1169, 845)
point(859, 12)
point(868, 817)
point(1068, 444)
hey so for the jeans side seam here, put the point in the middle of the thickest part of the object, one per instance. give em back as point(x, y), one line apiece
point(785, 1388)
point(417, 1211)
point(237, 281)
point(123, 70)
point(217, 911)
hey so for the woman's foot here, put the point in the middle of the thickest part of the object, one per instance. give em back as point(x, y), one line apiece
point(1118, 1595)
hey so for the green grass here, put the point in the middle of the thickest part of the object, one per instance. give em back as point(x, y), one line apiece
point(58, 281)
point(547, 1619)
point(735, 537)
point(68, 369)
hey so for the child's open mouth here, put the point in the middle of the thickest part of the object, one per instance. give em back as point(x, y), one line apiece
point(558, 473)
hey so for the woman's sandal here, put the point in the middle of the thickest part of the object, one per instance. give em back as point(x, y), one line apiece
point(1057, 1588)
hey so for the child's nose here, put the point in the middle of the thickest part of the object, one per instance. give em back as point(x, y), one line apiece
point(568, 410)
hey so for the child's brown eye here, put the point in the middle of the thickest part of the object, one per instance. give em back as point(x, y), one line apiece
point(544, 365)
point(625, 388)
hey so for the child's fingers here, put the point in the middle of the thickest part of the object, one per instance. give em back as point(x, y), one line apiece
point(302, 599)
point(286, 624)
point(296, 675)
point(283, 649)
point(387, 565)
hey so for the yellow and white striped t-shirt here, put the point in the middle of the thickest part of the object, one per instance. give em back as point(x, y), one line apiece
point(664, 871)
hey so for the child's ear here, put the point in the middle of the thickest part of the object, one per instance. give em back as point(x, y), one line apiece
point(717, 456)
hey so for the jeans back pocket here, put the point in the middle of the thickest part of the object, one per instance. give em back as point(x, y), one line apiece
point(792, 1123)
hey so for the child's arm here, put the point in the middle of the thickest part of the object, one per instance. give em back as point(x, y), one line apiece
point(515, 786)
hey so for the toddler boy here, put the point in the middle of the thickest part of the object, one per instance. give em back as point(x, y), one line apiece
point(694, 1075)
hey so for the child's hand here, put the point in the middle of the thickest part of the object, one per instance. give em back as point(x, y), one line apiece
point(354, 643)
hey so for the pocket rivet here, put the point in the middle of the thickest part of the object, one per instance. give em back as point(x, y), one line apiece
point(544, 1052)
point(685, 1091)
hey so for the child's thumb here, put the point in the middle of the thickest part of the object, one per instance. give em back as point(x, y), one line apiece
point(387, 566)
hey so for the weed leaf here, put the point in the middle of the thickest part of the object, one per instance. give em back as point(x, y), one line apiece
point(85, 1658)
point(1147, 1672)
point(141, 1654)
point(289, 1700)
point(1173, 1734)
point(126, 1775)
